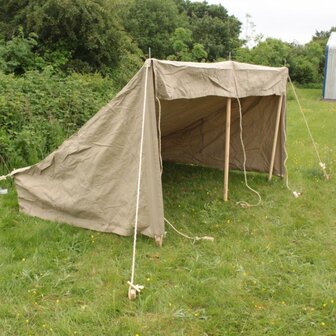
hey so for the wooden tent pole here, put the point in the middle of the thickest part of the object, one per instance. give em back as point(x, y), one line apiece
point(275, 139)
point(227, 149)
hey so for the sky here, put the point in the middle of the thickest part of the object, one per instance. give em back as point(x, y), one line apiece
point(288, 20)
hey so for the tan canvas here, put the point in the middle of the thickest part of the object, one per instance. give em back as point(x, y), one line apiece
point(91, 180)
point(193, 131)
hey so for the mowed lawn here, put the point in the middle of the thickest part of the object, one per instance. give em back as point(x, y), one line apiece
point(270, 271)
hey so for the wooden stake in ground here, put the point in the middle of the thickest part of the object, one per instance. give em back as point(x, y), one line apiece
point(275, 139)
point(227, 149)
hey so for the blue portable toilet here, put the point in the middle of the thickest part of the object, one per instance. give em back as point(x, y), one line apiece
point(329, 82)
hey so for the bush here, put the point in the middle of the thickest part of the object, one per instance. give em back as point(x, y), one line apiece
point(39, 110)
point(17, 55)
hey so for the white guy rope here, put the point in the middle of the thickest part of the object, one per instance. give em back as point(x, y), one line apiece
point(186, 236)
point(296, 194)
point(15, 171)
point(159, 134)
point(131, 283)
point(243, 204)
point(321, 164)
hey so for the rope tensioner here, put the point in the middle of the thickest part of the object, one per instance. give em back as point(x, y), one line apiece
point(324, 170)
point(296, 194)
point(133, 290)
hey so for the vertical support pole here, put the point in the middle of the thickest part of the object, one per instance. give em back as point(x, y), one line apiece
point(275, 139)
point(227, 149)
point(132, 290)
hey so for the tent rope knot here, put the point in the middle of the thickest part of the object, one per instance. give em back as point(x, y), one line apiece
point(15, 171)
point(296, 194)
point(324, 169)
point(133, 290)
point(138, 288)
point(243, 204)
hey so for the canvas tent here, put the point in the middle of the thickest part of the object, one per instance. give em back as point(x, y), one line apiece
point(174, 110)
point(329, 83)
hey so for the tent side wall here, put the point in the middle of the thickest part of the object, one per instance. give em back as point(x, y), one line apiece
point(329, 83)
point(91, 180)
point(325, 72)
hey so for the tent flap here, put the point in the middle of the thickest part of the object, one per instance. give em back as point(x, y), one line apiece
point(91, 180)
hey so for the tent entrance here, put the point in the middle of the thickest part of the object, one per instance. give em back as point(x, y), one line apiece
point(193, 131)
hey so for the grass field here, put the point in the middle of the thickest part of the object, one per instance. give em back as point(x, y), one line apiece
point(270, 271)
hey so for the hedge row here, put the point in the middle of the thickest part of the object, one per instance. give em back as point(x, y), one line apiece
point(39, 110)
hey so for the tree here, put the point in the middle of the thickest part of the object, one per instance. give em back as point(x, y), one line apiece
point(304, 62)
point(184, 48)
point(17, 55)
point(151, 23)
point(303, 71)
point(89, 31)
point(323, 35)
point(272, 52)
point(198, 52)
point(213, 27)
point(82, 27)
point(251, 37)
point(11, 14)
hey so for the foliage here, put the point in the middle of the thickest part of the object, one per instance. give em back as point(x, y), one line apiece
point(184, 48)
point(151, 23)
point(198, 52)
point(213, 28)
point(304, 62)
point(272, 52)
point(251, 38)
point(323, 35)
point(17, 55)
point(130, 61)
point(89, 31)
point(270, 270)
point(158, 24)
point(39, 110)
point(112, 36)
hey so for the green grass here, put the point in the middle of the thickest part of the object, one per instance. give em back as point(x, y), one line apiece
point(270, 271)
